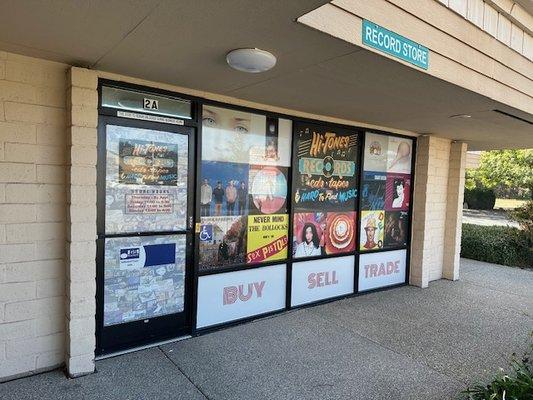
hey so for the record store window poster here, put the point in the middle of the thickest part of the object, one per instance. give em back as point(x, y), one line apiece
point(324, 190)
point(146, 180)
point(144, 277)
point(243, 192)
point(385, 192)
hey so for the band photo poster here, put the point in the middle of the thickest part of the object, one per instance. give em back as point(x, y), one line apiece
point(146, 180)
point(324, 190)
point(385, 192)
point(243, 193)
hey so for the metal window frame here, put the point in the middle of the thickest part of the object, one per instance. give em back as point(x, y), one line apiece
point(195, 122)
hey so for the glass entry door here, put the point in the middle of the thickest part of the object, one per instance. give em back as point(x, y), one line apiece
point(144, 232)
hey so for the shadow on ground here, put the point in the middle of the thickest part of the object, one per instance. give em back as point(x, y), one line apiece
point(406, 343)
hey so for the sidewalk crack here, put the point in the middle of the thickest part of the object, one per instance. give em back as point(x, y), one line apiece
point(184, 374)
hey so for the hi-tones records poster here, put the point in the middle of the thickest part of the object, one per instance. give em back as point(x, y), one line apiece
point(146, 180)
point(325, 175)
point(144, 277)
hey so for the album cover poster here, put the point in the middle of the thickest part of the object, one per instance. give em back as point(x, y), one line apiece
point(375, 152)
point(146, 180)
point(317, 234)
point(222, 241)
point(244, 137)
point(372, 230)
point(267, 238)
point(308, 234)
point(399, 155)
point(144, 277)
point(339, 234)
point(396, 225)
point(398, 192)
point(326, 169)
point(373, 190)
point(224, 189)
point(267, 189)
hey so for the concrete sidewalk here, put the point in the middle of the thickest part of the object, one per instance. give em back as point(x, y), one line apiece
point(406, 343)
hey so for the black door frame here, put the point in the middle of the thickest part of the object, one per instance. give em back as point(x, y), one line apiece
point(137, 333)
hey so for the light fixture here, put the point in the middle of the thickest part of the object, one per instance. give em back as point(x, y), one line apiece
point(464, 116)
point(251, 60)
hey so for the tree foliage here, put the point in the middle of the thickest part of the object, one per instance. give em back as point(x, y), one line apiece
point(503, 169)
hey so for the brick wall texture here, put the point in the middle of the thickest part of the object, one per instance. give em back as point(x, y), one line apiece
point(33, 213)
point(437, 210)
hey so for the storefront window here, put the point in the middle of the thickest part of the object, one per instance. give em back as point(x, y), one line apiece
point(243, 193)
point(324, 190)
point(385, 210)
point(385, 192)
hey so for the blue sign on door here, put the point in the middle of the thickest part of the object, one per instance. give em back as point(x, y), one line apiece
point(396, 45)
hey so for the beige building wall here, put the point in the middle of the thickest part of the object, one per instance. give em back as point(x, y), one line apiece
point(48, 141)
point(33, 134)
point(429, 209)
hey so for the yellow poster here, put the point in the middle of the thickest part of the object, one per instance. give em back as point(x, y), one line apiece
point(267, 237)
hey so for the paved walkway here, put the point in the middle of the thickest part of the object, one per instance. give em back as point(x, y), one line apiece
point(405, 343)
point(488, 218)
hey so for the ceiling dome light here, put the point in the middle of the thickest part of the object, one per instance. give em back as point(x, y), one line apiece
point(251, 60)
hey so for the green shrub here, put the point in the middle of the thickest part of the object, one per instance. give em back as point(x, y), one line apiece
point(524, 216)
point(496, 244)
point(517, 385)
point(480, 198)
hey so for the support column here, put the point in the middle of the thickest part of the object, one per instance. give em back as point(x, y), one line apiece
point(429, 210)
point(454, 211)
point(81, 229)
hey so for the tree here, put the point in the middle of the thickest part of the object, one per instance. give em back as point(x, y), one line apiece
point(506, 171)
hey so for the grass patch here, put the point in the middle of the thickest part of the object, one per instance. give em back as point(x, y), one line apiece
point(509, 204)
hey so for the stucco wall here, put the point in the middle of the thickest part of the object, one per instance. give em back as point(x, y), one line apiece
point(33, 132)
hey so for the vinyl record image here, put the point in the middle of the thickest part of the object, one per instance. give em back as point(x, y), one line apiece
point(268, 189)
point(340, 232)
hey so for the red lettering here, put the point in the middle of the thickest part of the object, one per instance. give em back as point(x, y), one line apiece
point(320, 279)
point(259, 288)
point(397, 266)
point(311, 280)
point(247, 296)
point(230, 295)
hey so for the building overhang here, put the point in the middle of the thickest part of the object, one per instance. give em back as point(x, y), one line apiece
point(318, 71)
